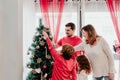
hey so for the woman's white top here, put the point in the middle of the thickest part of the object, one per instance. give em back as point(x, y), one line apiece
point(82, 75)
point(100, 57)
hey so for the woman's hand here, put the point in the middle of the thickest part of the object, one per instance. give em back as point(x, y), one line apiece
point(111, 76)
point(45, 34)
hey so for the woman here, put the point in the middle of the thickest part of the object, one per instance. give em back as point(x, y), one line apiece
point(99, 54)
point(64, 67)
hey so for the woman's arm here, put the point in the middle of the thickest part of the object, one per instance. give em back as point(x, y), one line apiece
point(80, 46)
point(110, 57)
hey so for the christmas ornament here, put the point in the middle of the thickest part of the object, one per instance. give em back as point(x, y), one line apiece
point(48, 56)
point(44, 67)
point(33, 56)
point(37, 47)
point(38, 70)
point(44, 76)
point(34, 71)
point(28, 65)
point(39, 60)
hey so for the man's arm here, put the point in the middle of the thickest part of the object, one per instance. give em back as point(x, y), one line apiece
point(56, 46)
point(59, 43)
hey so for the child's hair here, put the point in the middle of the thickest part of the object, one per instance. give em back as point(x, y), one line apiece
point(84, 64)
point(67, 51)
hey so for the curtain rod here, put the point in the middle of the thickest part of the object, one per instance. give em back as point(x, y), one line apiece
point(69, 0)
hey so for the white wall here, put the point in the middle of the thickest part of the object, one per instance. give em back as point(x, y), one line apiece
point(1, 48)
point(29, 28)
point(11, 40)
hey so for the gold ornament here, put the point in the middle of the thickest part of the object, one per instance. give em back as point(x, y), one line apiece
point(33, 56)
point(34, 72)
point(39, 60)
point(44, 76)
point(38, 70)
point(37, 47)
point(48, 56)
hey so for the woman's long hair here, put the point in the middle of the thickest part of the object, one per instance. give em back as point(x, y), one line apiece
point(92, 35)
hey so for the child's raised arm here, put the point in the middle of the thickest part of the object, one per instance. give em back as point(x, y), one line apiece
point(50, 46)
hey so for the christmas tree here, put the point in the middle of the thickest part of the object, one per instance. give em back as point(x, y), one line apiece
point(40, 60)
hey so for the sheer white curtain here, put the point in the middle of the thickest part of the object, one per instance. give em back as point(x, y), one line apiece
point(70, 14)
point(29, 29)
point(96, 13)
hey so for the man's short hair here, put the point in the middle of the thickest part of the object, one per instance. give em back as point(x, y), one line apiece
point(71, 25)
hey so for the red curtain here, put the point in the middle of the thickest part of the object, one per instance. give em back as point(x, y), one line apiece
point(114, 9)
point(52, 12)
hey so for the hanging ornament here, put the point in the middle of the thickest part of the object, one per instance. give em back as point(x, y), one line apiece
point(29, 66)
point(45, 75)
point(44, 67)
point(38, 70)
point(39, 60)
point(34, 71)
point(33, 56)
point(37, 47)
point(42, 43)
point(48, 56)
point(40, 37)
point(52, 62)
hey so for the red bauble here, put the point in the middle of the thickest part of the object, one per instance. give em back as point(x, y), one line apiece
point(44, 66)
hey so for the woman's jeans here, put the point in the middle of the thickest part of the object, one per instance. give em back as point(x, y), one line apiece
point(101, 78)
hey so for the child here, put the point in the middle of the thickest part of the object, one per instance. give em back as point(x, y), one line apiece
point(83, 67)
point(64, 66)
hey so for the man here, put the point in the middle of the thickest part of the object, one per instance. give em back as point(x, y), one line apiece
point(70, 38)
